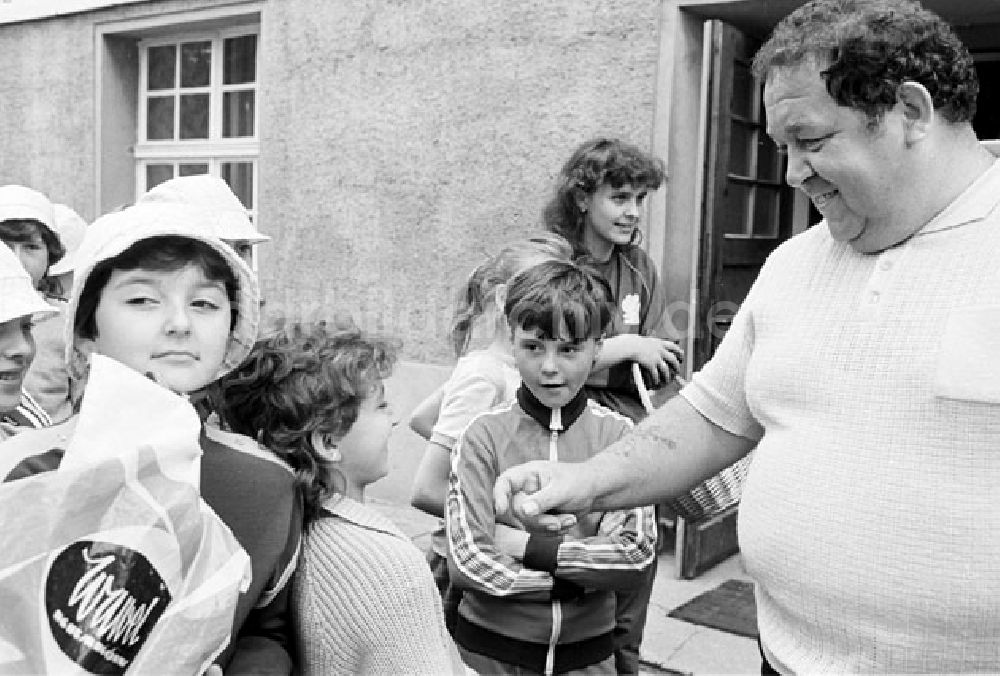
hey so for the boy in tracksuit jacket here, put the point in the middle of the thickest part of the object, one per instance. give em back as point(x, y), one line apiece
point(539, 601)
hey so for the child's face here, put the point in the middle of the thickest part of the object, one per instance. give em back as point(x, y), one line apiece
point(33, 254)
point(554, 370)
point(17, 349)
point(173, 324)
point(364, 449)
point(612, 216)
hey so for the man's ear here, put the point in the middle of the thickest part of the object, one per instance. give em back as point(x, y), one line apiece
point(325, 445)
point(598, 346)
point(918, 110)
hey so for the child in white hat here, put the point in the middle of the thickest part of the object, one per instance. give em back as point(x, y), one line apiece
point(20, 304)
point(48, 379)
point(157, 293)
point(28, 228)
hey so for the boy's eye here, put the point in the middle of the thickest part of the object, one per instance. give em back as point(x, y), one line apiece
point(139, 300)
point(569, 349)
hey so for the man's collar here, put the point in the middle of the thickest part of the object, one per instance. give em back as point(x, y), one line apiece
point(544, 415)
point(974, 204)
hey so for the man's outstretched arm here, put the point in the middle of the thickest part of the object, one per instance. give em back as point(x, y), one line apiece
point(669, 453)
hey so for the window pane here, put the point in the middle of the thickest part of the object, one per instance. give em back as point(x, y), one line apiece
point(159, 118)
point(239, 176)
point(194, 116)
point(157, 174)
point(768, 159)
point(196, 64)
point(765, 211)
point(237, 114)
point(740, 148)
point(743, 91)
point(736, 199)
point(192, 169)
point(240, 60)
point(160, 73)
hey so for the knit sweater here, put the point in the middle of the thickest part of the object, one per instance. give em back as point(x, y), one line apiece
point(869, 518)
point(364, 601)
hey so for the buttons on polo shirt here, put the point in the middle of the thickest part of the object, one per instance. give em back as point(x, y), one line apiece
point(873, 297)
point(886, 264)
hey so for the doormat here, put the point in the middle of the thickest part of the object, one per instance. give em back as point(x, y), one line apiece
point(729, 607)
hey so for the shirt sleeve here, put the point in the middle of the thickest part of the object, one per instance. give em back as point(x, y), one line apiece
point(614, 561)
point(474, 561)
point(469, 393)
point(718, 390)
point(265, 642)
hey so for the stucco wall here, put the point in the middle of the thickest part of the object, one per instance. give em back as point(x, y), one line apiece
point(47, 89)
point(404, 140)
point(46, 108)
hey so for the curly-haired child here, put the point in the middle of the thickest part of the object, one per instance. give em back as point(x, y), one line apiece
point(363, 599)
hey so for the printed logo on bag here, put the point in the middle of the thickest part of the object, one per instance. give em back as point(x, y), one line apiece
point(102, 600)
point(631, 307)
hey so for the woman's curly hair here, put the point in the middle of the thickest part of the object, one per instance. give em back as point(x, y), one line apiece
point(593, 163)
point(869, 48)
point(302, 378)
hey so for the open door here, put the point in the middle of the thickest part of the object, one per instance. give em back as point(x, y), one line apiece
point(747, 208)
point(747, 212)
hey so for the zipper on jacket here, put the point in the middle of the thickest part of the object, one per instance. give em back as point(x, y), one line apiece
point(555, 426)
point(550, 656)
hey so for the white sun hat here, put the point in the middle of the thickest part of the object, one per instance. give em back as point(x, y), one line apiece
point(70, 229)
point(114, 233)
point(18, 298)
point(19, 202)
point(230, 221)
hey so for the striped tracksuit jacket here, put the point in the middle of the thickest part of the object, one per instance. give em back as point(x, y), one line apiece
point(555, 610)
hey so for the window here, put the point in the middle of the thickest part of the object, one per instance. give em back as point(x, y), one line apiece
point(756, 168)
point(197, 114)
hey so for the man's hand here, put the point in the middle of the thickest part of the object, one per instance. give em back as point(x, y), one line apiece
point(537, 490)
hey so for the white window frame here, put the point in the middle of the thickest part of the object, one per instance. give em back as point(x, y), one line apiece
point(214, 150)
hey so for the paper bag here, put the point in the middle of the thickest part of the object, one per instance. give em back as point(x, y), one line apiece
point(113, 564)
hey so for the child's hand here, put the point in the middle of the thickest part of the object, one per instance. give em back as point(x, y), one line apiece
point(510, 541)
point(660, 358)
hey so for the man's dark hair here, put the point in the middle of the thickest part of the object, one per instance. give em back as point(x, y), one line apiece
point(868, 48)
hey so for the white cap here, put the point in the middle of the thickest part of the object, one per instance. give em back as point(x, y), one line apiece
point(18, 298)
point(17, 202)
point(70, 228)
point(111, 234)
point(230, 220)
